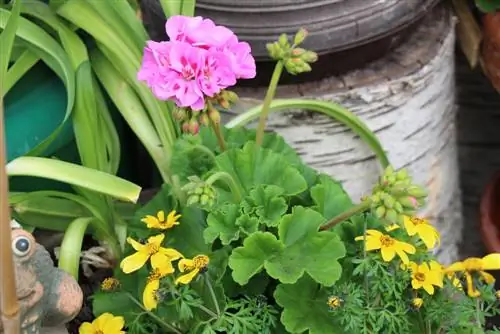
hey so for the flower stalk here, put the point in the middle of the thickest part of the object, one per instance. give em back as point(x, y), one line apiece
point(231, 183)
point(271, 91)
point(361, 207)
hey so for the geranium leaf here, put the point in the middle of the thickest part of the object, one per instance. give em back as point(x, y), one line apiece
point(300, 249)
point(267, 203)
point(253, 165)
point(222, 224)
point(249, 260)
point(305, 307)
point(247, 224)
point(330, 198)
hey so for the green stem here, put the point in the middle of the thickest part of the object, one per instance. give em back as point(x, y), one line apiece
point(205, 150)
point(154, 316)
point(220, 136)
point(361, 207)
point(365, 225)
point(212, 294)
point(271, 91)
point(229, 180)
point(71, 246)
point(478, 314)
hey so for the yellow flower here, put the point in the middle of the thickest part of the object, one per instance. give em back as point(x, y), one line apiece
point(388, 246)
point(476, 265)
point(106, 323)
point(497, 294)
point(391, 228)
point(109, 284)
point(160, 222)
point(149, 295)
point(334, 302)
point(426, 232)
point(160, 256)
point(193, 267)
point(417, 302)
point(426, 276)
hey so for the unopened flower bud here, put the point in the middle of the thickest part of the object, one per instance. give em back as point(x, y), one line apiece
point(185, 127)
point(416, 191)
point(309, 57)
point(391, 215)
point(380, 212)
point(179, 114)
point(224, 103)
point(204, 120)
point(192, 199)
point(300, 36)
point(297, 52)
point(398, 207)
point(389, 202)
point(230, 96)
point(408, 202)
point(401, 174)
point(283, 41)
point(193, 126)
point(214, 115)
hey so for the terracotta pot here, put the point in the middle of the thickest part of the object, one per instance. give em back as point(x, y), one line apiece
point(491, 48)
point(490, 215)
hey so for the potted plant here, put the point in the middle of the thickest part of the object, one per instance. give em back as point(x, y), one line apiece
point(255, 241)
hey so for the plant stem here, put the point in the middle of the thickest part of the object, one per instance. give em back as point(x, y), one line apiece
point(365, 276)
point(229, 180)
point(212, 294)
point(361, 207)
point(271, 91)
point(220, 136)
point(9, 306)
point(205, 150)
point(154, 316)
point(478, 313)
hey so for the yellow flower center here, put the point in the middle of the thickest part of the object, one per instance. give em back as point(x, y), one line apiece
point(386, 241)
point(154, 275)
point(98, 332)
point(334, 301)
point(419, 277)
point(473, 264)
point(200, 261)
point(152, 248)
point(109, 284)
point(418, 221)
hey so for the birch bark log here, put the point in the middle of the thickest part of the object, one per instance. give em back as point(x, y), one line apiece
point(408, 99)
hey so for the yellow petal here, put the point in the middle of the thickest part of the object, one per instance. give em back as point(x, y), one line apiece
point(406, 247)
point(173, 216)
point(428, 288)
point(374, 233)
point(388, 253)
point(134, 262)
point(151, 221)
point(416, 284)
point(86, 328)
point(171, 253)
point(163, 263)
point(114, 325)
point(101, 321)
point(428, 234)
point(187, 278)
point(491, 262)
point(392, 227)
point(361, 237)
point(471, 291)
point(409, 226)
point(149, 298)
point(435, 278)
point(488, 278)
point(185, 264)
point(156, 240)
point(161, 216)
point(373, 243)
point(402, 255)
point(136, 245)
point(413, 266)
point(457, 266)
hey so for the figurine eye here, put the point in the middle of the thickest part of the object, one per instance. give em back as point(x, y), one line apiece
point(21, 246)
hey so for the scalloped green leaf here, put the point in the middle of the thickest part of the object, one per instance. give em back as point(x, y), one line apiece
point(305, 307)
point(330, 197)
point(300, 249)
point(249, 260)
point(267, 203)
point(251, 166)
point(222, 224)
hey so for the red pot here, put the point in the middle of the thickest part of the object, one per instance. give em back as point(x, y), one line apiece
point(491, 48)
point(490, 215)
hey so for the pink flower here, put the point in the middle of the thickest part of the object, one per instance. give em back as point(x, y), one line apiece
point(205, 34)
point(217, 73)
point(171, 70)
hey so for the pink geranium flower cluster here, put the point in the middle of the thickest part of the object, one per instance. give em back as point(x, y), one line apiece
point(200, 60)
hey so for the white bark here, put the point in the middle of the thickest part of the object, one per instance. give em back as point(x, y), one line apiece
point(408, 100)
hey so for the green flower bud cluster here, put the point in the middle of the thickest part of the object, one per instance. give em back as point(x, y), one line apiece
point(191, 120)
point(295, 59)
point(395, 196)
point(199, 193)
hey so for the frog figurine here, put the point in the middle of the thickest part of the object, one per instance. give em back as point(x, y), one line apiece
point(48, 296)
